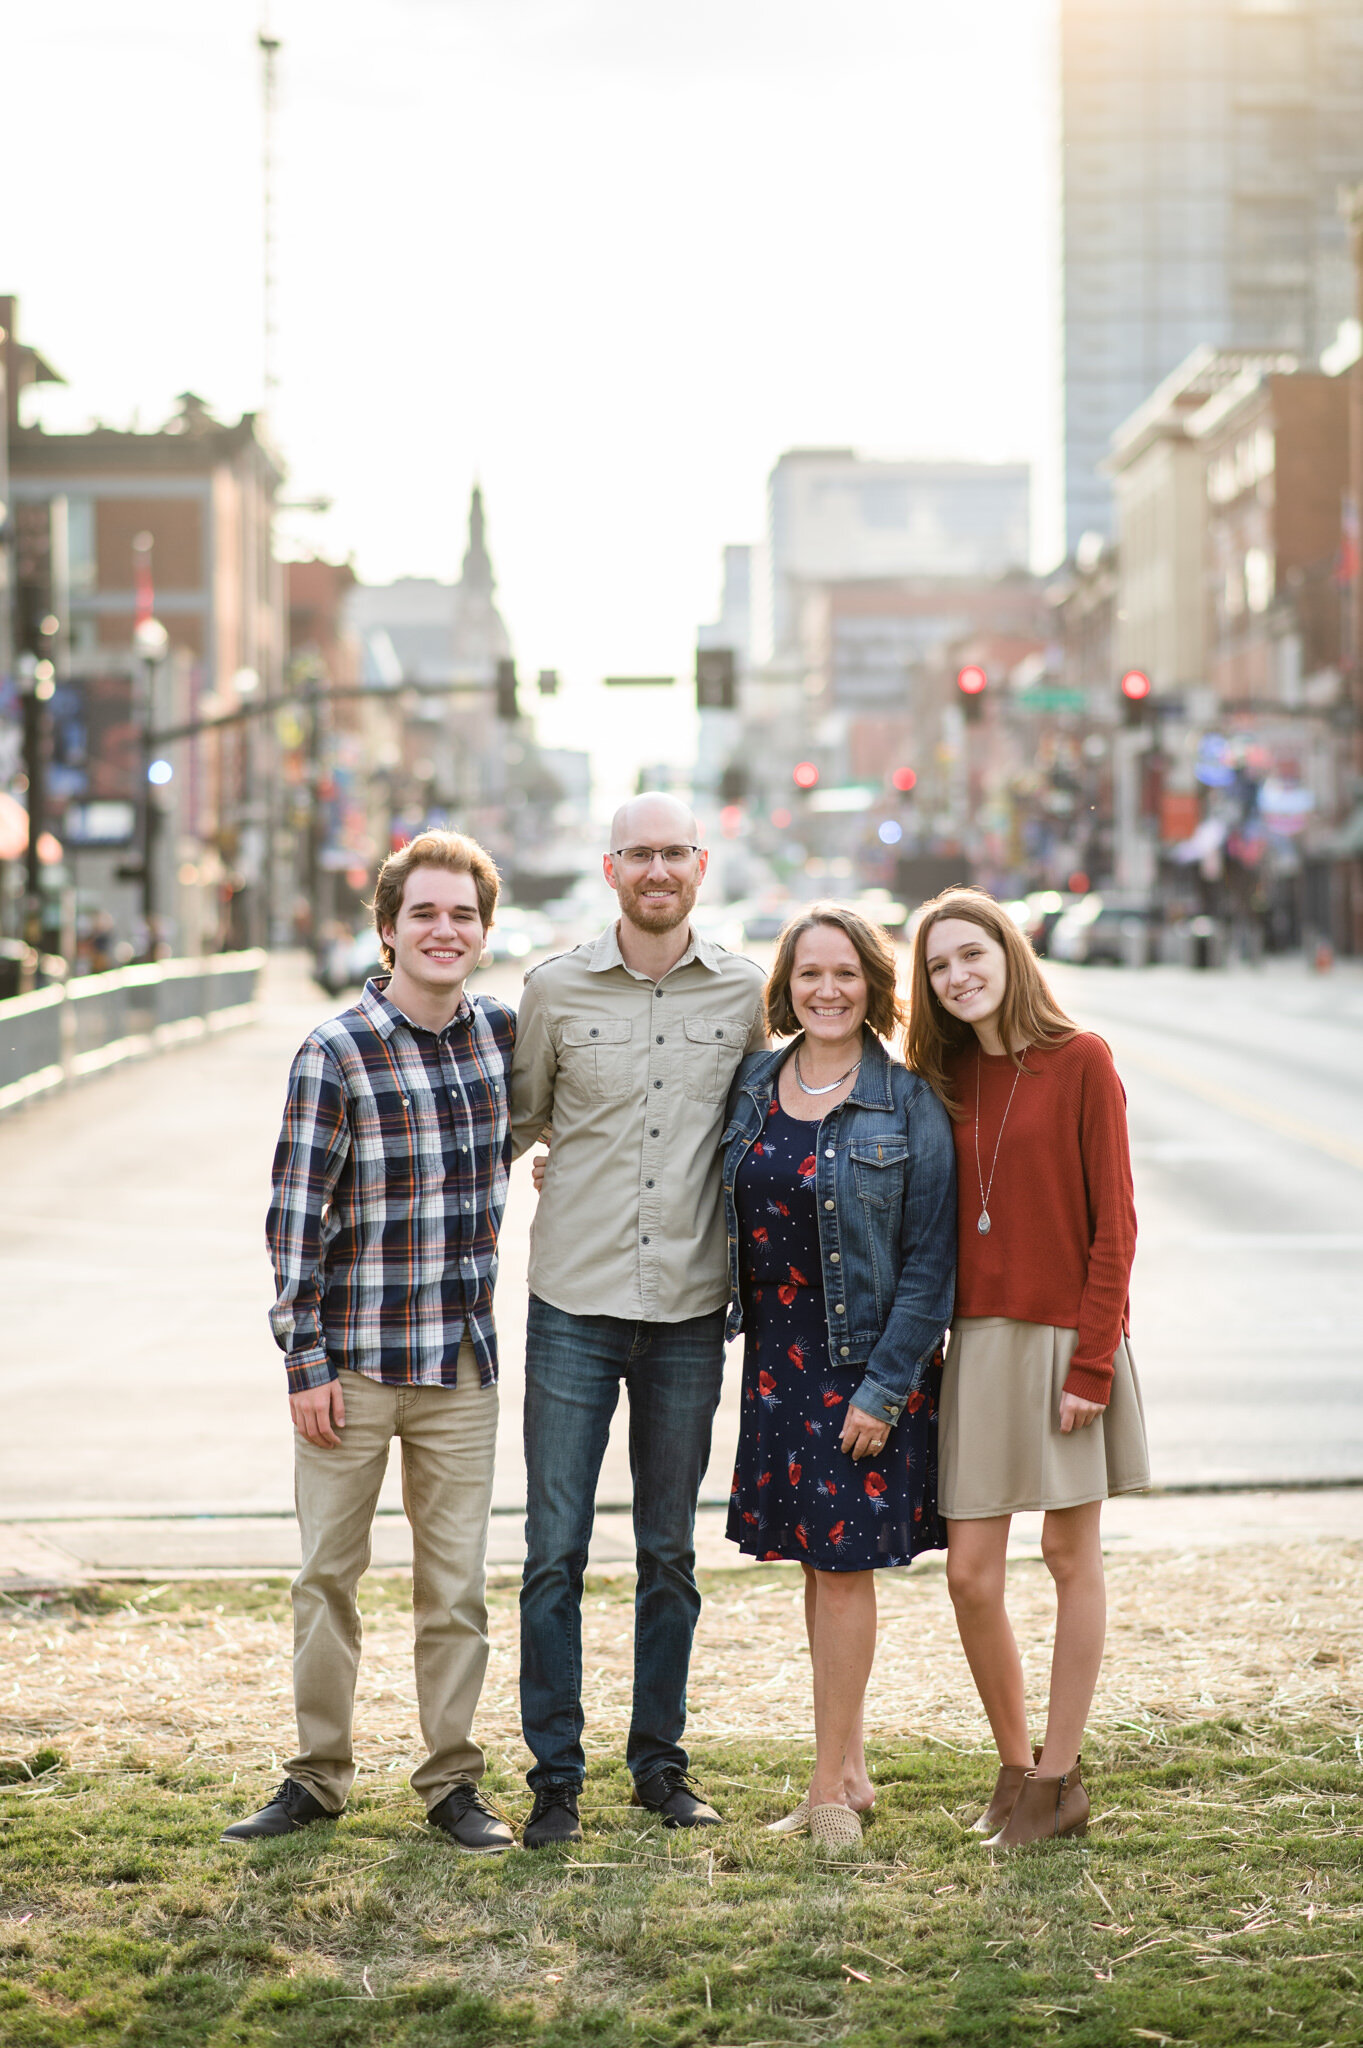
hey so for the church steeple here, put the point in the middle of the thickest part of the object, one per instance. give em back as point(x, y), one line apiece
point(476, 575)
point(480, 637)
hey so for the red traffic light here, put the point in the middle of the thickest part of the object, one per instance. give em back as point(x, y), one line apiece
point(904, 778)
point(1135, 685)
point(972, 681)
point(804, 775)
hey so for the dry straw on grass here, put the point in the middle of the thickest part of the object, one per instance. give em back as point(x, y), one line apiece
point(1272, 1631)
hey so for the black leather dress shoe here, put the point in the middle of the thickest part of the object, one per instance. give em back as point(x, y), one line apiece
point(667, 1794)
point(553, 1817)
point(291, 1808)
point(465, 1816)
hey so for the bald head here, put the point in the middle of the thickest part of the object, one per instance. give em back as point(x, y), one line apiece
point(654, 819)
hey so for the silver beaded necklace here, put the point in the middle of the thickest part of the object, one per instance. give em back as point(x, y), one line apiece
point(984, 1226)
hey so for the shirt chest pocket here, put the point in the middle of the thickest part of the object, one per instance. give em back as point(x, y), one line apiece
point(711, 1054)
point(388, 1132)
point(595, 1053)
point(878, 1169)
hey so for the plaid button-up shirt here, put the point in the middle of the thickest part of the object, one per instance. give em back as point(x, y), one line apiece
point(389, 1185)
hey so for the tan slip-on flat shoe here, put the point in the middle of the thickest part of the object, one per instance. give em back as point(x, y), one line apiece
point(1003, 1798)
point(793, 1823)
point(1045, 1810)
point(834, 1828)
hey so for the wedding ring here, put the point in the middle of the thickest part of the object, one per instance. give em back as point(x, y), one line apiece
point(879, 1444)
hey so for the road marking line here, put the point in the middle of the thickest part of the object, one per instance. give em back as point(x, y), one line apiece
point(1246, 1106)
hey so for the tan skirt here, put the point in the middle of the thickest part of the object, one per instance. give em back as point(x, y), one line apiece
point(1000, 1450)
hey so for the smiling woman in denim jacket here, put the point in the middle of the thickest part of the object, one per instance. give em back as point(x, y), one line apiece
point(840, 1196)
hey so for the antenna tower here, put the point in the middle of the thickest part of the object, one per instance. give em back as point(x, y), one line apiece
point(269, 50)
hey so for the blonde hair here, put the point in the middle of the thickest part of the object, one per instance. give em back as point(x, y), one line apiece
point(1029, 1014)
point(884, 1011)
point(456, 854)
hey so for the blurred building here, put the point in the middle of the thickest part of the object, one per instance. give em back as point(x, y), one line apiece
point(108, 525)
point(1204, 142)
point(834, 516)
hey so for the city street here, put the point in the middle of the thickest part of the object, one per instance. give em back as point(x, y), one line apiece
point(139, 1379)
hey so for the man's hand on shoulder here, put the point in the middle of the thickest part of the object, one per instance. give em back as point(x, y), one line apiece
point(318, 1413)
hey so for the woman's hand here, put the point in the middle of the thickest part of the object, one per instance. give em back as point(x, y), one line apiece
point(862, 1435)
point(1076, 1413)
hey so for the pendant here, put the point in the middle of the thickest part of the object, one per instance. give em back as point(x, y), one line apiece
point(983, 1225)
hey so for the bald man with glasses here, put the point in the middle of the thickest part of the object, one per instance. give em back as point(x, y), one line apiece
point(627, 1046)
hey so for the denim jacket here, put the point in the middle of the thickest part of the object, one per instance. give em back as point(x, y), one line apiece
point(885, 1190)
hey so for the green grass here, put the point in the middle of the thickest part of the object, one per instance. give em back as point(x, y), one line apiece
point(1217, 1901)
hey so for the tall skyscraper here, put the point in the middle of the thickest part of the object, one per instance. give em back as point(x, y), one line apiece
point(1204, 144)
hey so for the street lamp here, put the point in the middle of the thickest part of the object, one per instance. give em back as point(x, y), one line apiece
point(151, 643)
point(36, 681)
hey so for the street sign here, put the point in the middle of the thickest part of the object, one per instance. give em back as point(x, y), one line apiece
point(107, 822)
point(1050, 700)
point(715, 678)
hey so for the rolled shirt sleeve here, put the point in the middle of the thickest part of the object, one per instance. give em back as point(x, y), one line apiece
point(533, 1068)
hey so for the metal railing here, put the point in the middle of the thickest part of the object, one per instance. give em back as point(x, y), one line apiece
point(79, 1027)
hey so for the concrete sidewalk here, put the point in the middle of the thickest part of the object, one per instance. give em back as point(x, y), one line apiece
point(41, 1553)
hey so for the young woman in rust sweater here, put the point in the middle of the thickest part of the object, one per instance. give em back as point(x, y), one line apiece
point(1040, 1406)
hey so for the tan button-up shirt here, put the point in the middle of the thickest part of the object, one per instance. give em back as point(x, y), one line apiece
point(634, 1076)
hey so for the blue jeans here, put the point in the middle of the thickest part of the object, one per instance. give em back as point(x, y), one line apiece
point(574, 1366)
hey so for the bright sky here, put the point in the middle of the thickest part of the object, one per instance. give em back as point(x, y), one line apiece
point(612, 255)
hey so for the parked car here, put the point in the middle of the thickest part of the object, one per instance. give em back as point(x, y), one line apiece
point(347, 959)
point(1102, 931)
point(516, 933)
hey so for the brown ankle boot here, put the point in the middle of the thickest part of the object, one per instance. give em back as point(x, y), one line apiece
point(1007, 1785)
point(1044, 1809)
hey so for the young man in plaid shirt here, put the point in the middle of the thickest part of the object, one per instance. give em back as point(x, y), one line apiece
point(389, 1186)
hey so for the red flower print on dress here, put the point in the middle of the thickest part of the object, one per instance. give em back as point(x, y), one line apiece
point(764, 1479)
point(793, 1472)
point(802, 1535)
point(915, 1401)
point(786, 1293)
point(798, 1277)
point(807, 1170)
point(770, 1556)
point(831, 1397)
point(835, 1535)
point(796, 1354)
point(733, 1483)
point(759, 1150)
point(918, 1514)
point(761, 1234)
point(766, 1389)
point(827, 1486)
point(777, 1209)
point(813, 1428)
point(875, 1491)
point(749, 1515)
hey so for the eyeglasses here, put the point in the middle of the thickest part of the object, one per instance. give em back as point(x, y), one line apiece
point(644, 856)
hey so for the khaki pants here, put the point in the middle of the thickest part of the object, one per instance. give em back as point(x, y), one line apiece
point(449, 1437)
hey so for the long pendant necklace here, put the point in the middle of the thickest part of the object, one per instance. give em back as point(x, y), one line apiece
point(832, 1084)
point(984, 1226)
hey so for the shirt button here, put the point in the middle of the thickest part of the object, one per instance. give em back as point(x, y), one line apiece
point(829, 1153)
point(594, 1032)
point(840, 1310)
point(844, 1351)
point(653, 1134)
point(648, 1183)
point(643, 1240)
point(658, 992)
point(719, 1034)
point(828, 1205)
point(833, 1258)
point(657, 1084)
point(660, 1038)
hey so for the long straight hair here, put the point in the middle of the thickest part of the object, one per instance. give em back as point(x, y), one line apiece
point(1030, 1014)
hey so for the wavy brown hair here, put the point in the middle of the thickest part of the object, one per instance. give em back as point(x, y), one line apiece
point(885, 1012)
point(1030, 1015)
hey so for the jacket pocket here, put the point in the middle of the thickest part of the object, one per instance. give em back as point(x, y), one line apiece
point(713, 1050)
point(878, 1169)
point(595, 1052)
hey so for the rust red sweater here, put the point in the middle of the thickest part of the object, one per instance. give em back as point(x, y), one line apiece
point(1062, 1209)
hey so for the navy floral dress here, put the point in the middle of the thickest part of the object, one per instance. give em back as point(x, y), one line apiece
point(795, 1493)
